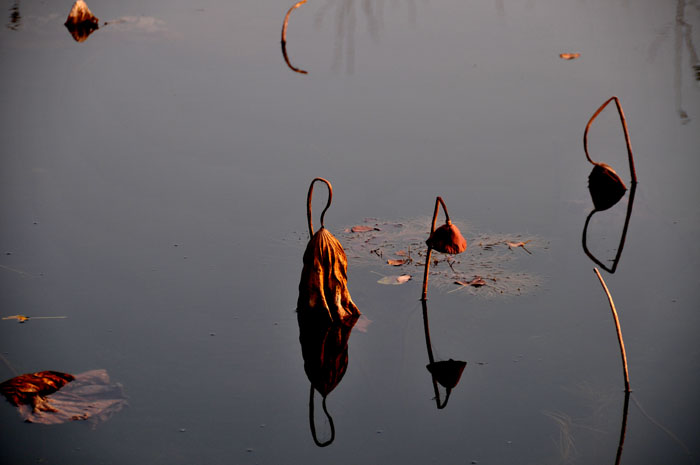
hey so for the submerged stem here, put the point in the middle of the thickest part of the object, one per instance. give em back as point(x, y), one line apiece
point(619, 331)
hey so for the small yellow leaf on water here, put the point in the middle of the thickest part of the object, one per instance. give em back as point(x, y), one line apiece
point(20, 318)
point(569, 56)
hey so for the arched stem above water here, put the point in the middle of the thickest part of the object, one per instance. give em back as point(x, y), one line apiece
point(308, 204)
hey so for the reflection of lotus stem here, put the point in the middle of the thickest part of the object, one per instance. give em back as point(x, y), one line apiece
point(619, 331)
point(431, 358)
point(438, 202)
point(623, 428)
point(308, 203)
point(633, 172)
point(312, 424)
point(284, 37)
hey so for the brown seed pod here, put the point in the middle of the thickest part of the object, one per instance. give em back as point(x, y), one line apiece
point(447, 239)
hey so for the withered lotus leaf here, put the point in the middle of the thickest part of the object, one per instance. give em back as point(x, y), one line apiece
point(606, 186)
point(323, 289)
point(447, 239)
point(51, 397)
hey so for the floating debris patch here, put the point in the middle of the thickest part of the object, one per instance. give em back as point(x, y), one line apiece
point(489, 268)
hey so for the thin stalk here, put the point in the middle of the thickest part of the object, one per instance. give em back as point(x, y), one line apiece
point(623, 120)
point(623, 428)
point(428, 344)
point(308, 204)
point(619, 331)
point(284, 36)
point(438, 202)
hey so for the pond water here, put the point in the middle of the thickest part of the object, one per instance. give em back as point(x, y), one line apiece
point(153, 192)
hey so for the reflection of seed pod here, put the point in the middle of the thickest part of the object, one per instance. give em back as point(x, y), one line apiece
point(447, 372)
point(81, 22)
point(605, 186)
point(447, 239)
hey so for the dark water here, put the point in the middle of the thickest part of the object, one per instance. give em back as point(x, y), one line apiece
point(153, 190)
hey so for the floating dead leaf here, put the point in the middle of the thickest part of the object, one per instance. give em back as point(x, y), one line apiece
point(20, 318)
point(478, 281)
point(513, 245)
point(52, 397)
point(323, 289)
point(360, 228)
point(569, 56)
point(23, 318)
point(399, 262)
point(395, 280)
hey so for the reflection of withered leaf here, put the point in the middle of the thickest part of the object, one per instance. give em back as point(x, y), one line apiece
point(569, 56)
point(323, 290)
point(81, 22)
point(24, 389)
point(324, 348)
point(606, 186)
point(50, 397)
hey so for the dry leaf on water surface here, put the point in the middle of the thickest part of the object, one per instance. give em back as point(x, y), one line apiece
point(513, 245)
point(51, 397)
point(19, 318)
point(395, 280)
point(569, 56)
point(363, 229)
point(478, 281)
point(398, 262)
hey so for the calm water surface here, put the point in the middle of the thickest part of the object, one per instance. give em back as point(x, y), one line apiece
point(153, 187)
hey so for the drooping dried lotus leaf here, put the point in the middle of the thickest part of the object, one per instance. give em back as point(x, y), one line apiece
point(50, 397)
point(324, 348)
point(323, 289)
point(81, 22)
point(605, 186)
point(447, 239)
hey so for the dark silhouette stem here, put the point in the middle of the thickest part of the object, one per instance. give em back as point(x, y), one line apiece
point(308, 204)
point(630, 157)
point(619, 331)
point(623, 428)
point(312, 422)
point(438, 202)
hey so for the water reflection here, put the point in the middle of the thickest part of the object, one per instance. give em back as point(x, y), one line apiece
point(81, 22)
point(324, 347)
point(621, 245)
point(623, 428)
point(683, 33)
point(15, 17)
point(447, 373)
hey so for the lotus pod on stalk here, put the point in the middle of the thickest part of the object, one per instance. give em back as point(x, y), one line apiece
point(447, 239)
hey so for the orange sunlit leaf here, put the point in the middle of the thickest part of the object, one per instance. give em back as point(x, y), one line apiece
point(513, 245)
point(569, 56)
point(20, 318)
point(398, 262)
point(395, 280)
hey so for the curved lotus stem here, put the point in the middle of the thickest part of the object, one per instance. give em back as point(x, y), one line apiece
point(633, 172)
point(438, 202)
point(308, 203)
point(312, 424)
point(284, 37)
point(619, 331)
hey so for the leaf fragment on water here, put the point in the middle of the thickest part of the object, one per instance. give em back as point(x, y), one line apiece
point(361, 228)
point(569, 56)
point(512, 245)
point(478, 281)
point(395, 280)
point(399, 262)
point(19, 318)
